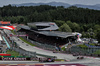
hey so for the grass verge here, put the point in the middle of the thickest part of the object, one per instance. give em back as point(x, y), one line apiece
point(13, 32)
point(23, 39)
point(97, 52)
point(82, 46)
point(63, 48)
point(59, 59)
point(13, 53)
point(27, 41)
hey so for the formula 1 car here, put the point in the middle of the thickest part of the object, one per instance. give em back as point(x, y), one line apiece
point(46, 59)
point(80, 57)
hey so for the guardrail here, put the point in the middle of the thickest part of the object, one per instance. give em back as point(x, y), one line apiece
point(43, 46)
point(46, 55)
point(84, 51)
point(24, 52)
point(6, 42)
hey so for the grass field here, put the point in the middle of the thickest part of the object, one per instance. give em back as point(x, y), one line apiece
point(23, 39)
point(13, 53)
point(97, 52)
point(26, 41)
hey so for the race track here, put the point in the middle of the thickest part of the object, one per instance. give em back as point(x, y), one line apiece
point(89, 61)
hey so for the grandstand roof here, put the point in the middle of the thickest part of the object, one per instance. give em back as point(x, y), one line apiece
point(56, 33)
point(47, 25)
point(49, 33)
point(24, 27)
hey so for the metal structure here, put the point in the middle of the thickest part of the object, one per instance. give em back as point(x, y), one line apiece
point(83, 51)
point(43, 25)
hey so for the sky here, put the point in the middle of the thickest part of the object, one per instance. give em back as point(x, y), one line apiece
point(84, 2)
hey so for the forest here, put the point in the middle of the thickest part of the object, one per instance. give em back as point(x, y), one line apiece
point(71, 19)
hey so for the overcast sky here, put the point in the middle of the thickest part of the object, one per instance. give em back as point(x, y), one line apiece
point(85, 2)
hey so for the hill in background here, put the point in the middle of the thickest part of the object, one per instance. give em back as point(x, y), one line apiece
point(96, 7)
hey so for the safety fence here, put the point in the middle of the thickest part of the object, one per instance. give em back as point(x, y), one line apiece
point(24, 52)
point(48, 56)
point(44, 46)
point(84, 51)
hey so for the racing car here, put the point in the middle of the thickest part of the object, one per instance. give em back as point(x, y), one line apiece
point(46, 59)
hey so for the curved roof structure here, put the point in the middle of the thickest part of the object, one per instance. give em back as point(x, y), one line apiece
point(43, 25)
point(47, 31)
point(56, 33)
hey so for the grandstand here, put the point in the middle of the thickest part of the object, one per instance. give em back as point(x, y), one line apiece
point(46, 33)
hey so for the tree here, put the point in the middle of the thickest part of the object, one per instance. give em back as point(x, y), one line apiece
point(98, 35)
point(72, 7)
point(69, 23)
point(91, 33)
point(96, 28)
point(59, 22)
point(65, 28)
point(74, 26)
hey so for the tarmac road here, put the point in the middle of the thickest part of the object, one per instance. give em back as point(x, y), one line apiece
point(83, 62)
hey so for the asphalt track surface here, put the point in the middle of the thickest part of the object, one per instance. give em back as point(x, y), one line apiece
point(87, 61)
point(45, 65)
point(36, 63)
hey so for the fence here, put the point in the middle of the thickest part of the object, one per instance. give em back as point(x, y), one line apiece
point(24, 52)
point(48, 56)
point(83, 51)
point(44, 46)
point(41, 45)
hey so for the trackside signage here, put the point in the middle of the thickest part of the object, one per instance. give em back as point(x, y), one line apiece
point(14, 59)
